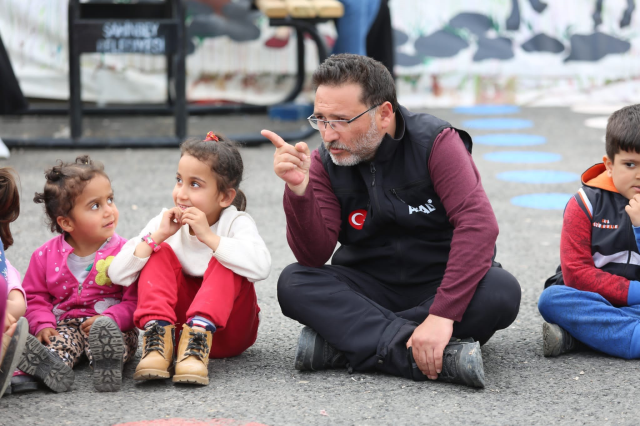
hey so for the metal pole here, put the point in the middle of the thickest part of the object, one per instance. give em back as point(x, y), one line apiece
point(75, 89)
point(180, 103)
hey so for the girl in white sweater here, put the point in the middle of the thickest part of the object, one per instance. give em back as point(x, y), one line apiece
point(195, 265)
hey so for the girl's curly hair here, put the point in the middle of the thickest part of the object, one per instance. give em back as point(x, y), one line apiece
point(65, 182)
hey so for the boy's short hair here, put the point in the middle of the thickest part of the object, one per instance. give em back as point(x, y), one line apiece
point(623, 131)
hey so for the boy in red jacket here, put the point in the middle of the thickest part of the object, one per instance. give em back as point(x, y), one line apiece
point(599, 303)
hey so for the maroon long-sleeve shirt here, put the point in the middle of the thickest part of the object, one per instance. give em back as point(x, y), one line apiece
point(313, 222)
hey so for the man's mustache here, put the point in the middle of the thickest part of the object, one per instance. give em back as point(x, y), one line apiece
point(335, 145)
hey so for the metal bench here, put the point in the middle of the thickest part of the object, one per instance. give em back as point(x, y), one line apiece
point(157, 27)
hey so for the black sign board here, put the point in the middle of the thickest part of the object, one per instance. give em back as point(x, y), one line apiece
point(156, 37)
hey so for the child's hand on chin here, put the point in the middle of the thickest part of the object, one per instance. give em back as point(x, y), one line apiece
point(86, 326)
point(45, 334)
point(633, 210)
point(171, 223)
point(198, 223)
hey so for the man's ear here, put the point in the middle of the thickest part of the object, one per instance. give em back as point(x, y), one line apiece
point(386, 114)
point(65, 223)
point(227, 198)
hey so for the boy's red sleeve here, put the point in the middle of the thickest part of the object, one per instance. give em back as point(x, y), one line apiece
point(578, 269)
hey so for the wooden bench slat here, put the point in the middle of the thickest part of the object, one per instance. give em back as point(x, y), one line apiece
point(273, 8)
point(328, 8)
point(301, 9)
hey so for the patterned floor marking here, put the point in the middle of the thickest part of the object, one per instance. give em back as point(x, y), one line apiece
point(509, 139)
point(548, 201)
point(522, 157)
point(538, 176)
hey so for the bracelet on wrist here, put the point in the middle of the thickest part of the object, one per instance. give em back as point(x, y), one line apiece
point(154, 246)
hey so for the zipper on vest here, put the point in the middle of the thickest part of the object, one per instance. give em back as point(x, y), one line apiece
point(630, 246)
point(372, 168)
point(393, 191)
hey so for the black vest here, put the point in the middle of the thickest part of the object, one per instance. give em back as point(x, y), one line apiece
point(613, 243)
point(394, 226)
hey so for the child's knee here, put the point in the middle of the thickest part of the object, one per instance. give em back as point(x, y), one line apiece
point(634, 349)
point(548, 301)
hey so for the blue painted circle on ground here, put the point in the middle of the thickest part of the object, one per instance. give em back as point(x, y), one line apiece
point(538, 176)
point(510, 139)
point(487, 109)
point(522, 157)
point(497, 123)
point(550, 201)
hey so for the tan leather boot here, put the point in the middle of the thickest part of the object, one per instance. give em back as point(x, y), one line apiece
point(193, 356)
point(157, 353)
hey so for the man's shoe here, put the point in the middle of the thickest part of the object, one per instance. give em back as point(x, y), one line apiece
point(314, 353)
point(107, 349)
point(193, 356)
point(461, 364)
point(46, 366)
point(13, 353)
point(157, 353)
point(557, 341)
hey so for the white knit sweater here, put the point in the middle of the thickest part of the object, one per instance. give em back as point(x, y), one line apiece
point(241, 249)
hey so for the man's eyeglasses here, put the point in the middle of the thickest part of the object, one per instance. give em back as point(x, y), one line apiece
point(337, 125)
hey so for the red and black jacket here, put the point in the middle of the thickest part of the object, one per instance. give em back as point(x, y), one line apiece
point(598, 250)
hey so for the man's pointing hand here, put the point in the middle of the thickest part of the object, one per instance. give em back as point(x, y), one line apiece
point(291, 163)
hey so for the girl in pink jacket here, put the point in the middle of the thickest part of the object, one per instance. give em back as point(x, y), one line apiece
point(72, 305)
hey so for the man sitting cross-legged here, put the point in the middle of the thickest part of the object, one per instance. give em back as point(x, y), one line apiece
point(413, 290)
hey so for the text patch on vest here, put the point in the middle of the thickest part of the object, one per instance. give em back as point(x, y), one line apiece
point(424, 208)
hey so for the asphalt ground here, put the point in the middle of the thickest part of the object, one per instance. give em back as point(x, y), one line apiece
point(261, 385)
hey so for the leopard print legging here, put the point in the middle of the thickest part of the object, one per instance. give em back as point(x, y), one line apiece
point(72, 342)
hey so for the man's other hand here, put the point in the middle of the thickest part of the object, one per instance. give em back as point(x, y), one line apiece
point(428, 342)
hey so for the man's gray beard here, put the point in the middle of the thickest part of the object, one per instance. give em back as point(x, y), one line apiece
point(365, 147)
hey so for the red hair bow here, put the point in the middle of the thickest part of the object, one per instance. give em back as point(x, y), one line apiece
point(211, 137)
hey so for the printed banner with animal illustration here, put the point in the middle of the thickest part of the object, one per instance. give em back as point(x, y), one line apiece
point(529, 52)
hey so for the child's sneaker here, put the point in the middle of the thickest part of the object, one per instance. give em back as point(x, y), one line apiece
point(46, 366)
point(13, 352)
point(21, 382)
point(193, 356)
point(107, 349)
point(157, 353)
point(556, 341)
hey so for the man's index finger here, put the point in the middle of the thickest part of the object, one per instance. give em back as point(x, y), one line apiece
point(274, 138)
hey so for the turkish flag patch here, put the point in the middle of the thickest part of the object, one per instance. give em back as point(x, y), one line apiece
point(356, 218)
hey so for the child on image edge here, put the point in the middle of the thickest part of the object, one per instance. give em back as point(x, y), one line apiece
point(599, 303)
point(16, 298)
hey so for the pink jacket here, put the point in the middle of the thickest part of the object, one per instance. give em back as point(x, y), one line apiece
point(54, 294)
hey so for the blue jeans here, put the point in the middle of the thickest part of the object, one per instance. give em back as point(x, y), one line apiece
point(354, 26)
point(594, 321)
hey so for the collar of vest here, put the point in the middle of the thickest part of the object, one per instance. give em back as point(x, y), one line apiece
point(389, 143)
point(596, 177)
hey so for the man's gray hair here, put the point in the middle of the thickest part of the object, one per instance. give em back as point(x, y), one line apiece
point(374, 78)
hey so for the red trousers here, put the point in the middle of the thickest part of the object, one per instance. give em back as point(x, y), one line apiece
point(223, 297)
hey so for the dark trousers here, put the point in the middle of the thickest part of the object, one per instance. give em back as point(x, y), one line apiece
point(380, 38)
point(371, 322)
